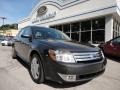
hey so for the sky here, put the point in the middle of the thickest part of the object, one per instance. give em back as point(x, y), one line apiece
point(15, 10)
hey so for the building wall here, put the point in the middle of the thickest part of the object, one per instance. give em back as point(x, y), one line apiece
point(1, 32)
point(75, 10)
point(118, 3)
point(11, 32)
point(116, 25)
point(71, 12)
point(23, 23)
point(109, 27)
point(85, 10)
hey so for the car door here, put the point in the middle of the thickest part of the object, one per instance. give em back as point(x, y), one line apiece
point(113, 47)
point(17, 42)
point(26, 43)
point(115, 44)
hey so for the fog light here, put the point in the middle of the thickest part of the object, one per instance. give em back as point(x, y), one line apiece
point(67, 77)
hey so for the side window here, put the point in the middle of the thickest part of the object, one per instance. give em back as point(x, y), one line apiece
point(117, 40)
point(26, 31)
point(19, 33)
point(39, 34)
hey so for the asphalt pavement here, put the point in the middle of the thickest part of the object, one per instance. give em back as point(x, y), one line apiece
point(14, 75)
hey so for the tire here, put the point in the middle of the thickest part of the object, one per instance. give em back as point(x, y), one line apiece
point(36, 69)
point(3, 45)
point(14, 55)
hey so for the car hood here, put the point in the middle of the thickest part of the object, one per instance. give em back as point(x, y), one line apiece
point(4, 41)
point(69, 45)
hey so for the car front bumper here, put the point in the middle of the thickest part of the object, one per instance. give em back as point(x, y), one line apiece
point(6, 44)
point(64, 72)
point(9, 44)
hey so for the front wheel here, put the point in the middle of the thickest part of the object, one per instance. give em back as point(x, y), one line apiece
point(36, 69)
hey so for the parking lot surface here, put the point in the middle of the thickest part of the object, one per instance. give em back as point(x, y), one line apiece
point(14, 75)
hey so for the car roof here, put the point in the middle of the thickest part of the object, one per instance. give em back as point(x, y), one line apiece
point(35, 27)
point(39, 27)
point(113, 38)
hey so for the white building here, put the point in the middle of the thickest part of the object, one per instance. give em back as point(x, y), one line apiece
point(93, 21)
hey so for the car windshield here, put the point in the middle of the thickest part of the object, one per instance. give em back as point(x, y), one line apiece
point(8, 38)
point(49, 33)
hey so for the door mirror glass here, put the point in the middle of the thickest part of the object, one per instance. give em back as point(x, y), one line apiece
point(26, 36)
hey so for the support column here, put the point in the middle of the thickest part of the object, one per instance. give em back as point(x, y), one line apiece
point(108, 28)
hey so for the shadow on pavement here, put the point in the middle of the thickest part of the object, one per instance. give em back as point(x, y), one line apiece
point(117, 59)
point(63, 85)
point(22, 63)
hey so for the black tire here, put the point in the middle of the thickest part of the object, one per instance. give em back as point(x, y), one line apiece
point(40, 77)
point(3, 45)
point(14, 55)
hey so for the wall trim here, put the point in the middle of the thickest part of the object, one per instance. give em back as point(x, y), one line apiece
point(114, 6)
point(60, 7)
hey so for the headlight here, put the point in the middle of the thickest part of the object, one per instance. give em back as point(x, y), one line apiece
point(61, 56)
point(102, 54)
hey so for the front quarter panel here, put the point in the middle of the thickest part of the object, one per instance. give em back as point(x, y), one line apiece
point(40, 48)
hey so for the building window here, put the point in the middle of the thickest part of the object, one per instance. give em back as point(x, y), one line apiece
point(98, 23)
point(98, 30)
point(52, 26)
point(85, 37)
point(98, 37)
point(116, 28)
point(59, 27)
point(75, 28)
point(89, 31)
point(66, 29)
point(86, 25)
point(86, 31)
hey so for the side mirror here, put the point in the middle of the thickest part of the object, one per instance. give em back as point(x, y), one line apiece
point(26, 36)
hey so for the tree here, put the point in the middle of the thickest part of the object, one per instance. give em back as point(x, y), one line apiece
point(9, 26)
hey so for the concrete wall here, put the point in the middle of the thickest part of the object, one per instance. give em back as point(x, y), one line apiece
point(88, 9)
point(76, 11)
point(11, 32)
point(118, 3)
point(109, 27)
point(118, 7)
point(23, 23)
point(71, 12)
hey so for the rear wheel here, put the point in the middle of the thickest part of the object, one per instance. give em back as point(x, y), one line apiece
point(3, 44)
point(14, 55)
point(36, 69)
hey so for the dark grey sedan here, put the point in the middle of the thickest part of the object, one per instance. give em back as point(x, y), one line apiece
point(53, 55)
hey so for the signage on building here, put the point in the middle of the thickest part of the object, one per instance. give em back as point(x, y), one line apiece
point(41, 11)
point(43, 15)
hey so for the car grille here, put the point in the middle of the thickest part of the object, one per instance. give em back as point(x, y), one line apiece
point(87, 56)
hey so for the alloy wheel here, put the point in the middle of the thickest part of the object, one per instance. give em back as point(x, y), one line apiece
point(35, 67)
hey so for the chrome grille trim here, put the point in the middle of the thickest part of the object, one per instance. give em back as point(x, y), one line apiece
point(89, 56)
